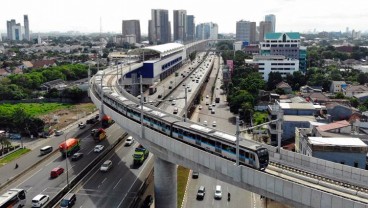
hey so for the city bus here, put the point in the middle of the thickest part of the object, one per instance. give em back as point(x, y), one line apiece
point(13, 198)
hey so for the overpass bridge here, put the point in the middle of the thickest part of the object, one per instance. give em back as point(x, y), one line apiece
point(343, 186)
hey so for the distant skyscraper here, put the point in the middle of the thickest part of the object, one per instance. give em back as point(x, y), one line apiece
point(9, 25)
point(160, 28)
point(264, 28)
point(207, 31)
point(132, 27)
point(271, 18)
point(17, 32)
point(246, 31)
point(26, 28)
point(190, 28)
point(180, 25)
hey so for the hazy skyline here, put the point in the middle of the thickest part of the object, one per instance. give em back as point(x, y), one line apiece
point(84, 16)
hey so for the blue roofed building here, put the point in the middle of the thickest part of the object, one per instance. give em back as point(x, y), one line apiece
point(158, 62)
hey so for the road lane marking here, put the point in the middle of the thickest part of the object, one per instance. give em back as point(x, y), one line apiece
point(103, 180)
point(30, 177)
point(29, 189)
point(89, 152)
point(117, 184)
point(144, 166)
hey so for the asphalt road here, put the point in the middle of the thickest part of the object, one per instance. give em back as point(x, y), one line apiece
point(38, 180)
point(118, 186)
point(225, 122)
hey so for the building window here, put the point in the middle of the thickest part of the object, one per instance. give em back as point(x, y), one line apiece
point(342, 162)
point(356, 164)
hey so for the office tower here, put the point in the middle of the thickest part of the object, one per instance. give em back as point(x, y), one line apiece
point(160, 27)
point(271, 18)
point(17, 32)
point(39, 40)
point(264, 28)
point(132, 27)
point(9, 25)
point(26, 28)
point(180, 25)
point(246, 31)
point(150, 30)
point(190, 28)
point(169, 33)
point(207, 31)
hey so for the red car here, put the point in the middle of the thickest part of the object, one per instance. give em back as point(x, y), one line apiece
point(56, 172)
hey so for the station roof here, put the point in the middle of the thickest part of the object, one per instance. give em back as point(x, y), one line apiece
point(163, 50)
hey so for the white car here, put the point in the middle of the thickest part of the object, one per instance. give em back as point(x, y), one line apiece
point(200, 107)
point(218, 192)
point(214, 124)
point(205, 123)
point(98, 148)
point(106, 166)
point(213, 104)
point(129, 141)
point(58, 133)
point(173, 102)
point(40, 200)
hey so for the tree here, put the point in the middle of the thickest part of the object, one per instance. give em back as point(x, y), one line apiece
point(252, 83)
point(362, 78)
point(238, 99)
point(273, 79)
point(339, 95)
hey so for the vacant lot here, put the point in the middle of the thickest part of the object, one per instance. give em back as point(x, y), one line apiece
point(33, 109)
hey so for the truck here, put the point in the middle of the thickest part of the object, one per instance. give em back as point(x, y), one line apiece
point(106, 121)
point(69, 147)
point(140, 155)
point(98, 134)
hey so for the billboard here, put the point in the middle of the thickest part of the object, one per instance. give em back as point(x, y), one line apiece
point(230, 64)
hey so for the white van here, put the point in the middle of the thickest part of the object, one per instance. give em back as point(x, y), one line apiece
point(45, 150)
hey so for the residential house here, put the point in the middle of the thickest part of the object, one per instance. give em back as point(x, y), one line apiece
point(293, 115)
point(309, 89)
point(337, 86)
point(361, 97)
point(352, 90)
point(338, 112)
point(285, 87)
point(27, 64)
point(58, 84)
point(4, 72)
point(43, 63)
point(316, 97)
point(338, 127)
point(345, 150)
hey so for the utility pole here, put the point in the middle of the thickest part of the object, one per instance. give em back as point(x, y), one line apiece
point(141, 101)
point(185, 107)
point(237, 140)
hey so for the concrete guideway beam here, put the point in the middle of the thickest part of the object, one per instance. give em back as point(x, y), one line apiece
point(165, 175)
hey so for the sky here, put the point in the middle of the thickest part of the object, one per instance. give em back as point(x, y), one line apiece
point(85, 15)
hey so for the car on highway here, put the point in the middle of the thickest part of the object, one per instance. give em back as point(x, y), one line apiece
point(218, 192)
point(200, 107)
point(214, 124)
point(159, 96)
point(56, 172)
point(106, 166)
point(98, 148)
point(129, 141)
point(201, 192)
point(59, 133)
point(45, 150)
point(175, 111)
point(148, 201)
point(209, 107)
point(82, 125)
point(207, 96)
point(68, 200)
point(205, 123)
point(40, 200)
point(170, 87)
point(195, 174)
point(77, 156)
point(173, 102)
point(213, 111)
point(213, 104)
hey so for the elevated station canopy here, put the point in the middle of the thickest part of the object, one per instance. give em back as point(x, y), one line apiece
point(163, 50)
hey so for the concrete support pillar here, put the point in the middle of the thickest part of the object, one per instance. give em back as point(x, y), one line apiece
point(165, 184)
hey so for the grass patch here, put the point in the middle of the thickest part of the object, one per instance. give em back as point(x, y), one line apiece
point(33, 109)
point(13, 156)
point(260, 117)
point(182, 183)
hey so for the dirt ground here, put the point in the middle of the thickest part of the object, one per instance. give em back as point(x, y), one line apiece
point(62, 118)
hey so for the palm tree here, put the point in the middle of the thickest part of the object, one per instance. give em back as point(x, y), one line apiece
point(4, 142)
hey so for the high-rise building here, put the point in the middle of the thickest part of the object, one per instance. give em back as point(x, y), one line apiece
point(180, 25)
point(264, 28)
point(9, 25)
point(132, 27)
point(190, 28)
point(27, 35)
point(17, 32)
point(207, 31)
point(160, 28)
point(271, 18)
point(246, 31)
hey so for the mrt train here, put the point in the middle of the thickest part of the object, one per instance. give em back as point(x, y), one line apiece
point(208, 139)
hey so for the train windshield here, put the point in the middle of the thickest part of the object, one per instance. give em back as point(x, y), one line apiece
point(263, 155)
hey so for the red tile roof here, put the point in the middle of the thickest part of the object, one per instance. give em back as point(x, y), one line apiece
point(42, 63)
point(334, 125)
